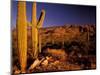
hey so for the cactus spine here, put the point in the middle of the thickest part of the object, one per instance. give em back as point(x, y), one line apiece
point(35, 26)
point(22, 34)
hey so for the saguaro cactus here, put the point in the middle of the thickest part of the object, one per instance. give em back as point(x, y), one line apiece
point(22, 34)
point(35, 26)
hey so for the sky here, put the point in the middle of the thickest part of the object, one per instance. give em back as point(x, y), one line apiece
point(58, 14)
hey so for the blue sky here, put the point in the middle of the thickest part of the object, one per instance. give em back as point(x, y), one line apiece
point(58, 14)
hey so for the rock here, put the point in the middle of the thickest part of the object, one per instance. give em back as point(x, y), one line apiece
point(36, 63)
point(44, 63)
point(50, 59)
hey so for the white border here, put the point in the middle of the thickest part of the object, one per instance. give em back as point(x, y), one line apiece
point(5, 52)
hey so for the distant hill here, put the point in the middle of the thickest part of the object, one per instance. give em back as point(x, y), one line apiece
point(83, 34)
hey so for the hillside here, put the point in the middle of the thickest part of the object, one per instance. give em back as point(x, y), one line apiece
point(72, 43)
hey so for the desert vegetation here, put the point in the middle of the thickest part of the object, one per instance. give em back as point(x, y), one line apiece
point(60, 52)
point(58, 48)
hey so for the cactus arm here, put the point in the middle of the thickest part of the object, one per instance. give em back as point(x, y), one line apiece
point(41, 19)
point(22, 35)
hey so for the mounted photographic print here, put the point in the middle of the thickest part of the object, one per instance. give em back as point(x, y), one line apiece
point(52, 37)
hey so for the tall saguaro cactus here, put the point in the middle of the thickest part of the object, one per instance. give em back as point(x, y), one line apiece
point(35, 26)
point(22, 34)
